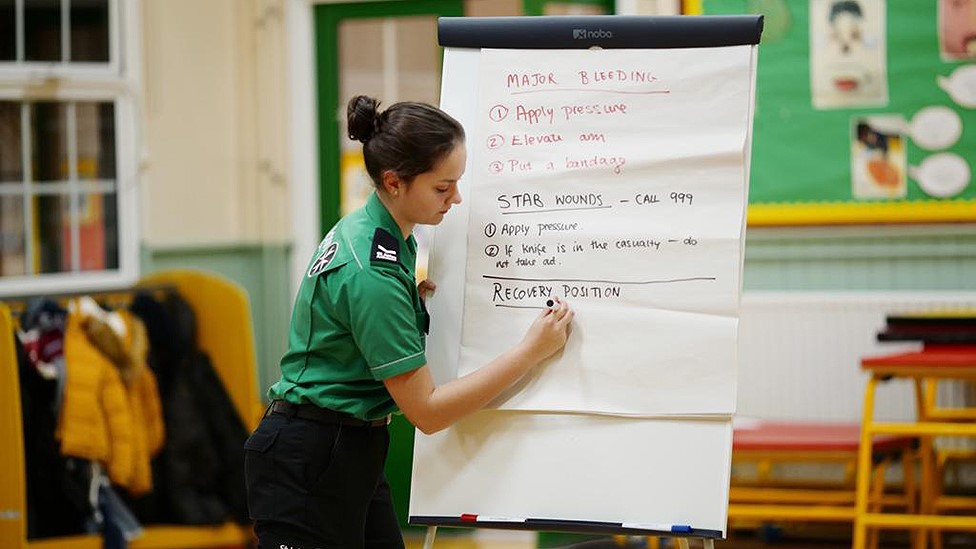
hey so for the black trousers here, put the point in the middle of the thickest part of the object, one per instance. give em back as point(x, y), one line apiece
point(313, 485)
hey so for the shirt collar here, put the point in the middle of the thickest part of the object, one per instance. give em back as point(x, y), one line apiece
point(377, 211)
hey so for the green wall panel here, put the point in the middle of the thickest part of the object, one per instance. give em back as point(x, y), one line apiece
point(909, 258)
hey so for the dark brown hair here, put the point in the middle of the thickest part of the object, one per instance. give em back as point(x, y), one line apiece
point(408, 137)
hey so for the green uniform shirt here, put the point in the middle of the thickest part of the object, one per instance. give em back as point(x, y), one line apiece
point(358, 318)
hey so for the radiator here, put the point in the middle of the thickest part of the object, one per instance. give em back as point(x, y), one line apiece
point(799, 353)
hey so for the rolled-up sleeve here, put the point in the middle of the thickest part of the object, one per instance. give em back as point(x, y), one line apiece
point(383, 323)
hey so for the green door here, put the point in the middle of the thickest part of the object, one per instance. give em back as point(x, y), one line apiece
point(387, 50)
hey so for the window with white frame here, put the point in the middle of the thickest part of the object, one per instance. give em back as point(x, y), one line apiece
point(66, 160)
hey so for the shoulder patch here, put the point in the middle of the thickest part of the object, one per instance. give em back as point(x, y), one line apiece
point(323, 260)
point(385, 247)
point(326, 253)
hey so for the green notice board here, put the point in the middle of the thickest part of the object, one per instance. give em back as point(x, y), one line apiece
point(809, 165)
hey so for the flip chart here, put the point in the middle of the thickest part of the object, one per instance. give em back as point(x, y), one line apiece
point(614, 179)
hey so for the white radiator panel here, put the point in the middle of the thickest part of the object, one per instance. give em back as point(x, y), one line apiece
point(799, 353)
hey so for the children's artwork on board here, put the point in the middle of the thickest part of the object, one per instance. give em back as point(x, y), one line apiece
point(960, 85)
point(942, 175)
point(878, 157)
point(957, 29)
point(847, 53)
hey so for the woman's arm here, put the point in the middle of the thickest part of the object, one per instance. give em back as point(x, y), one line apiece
point(432, 408)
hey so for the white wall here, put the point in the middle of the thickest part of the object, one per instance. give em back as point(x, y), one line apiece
point(800, 353)
point(214, 122)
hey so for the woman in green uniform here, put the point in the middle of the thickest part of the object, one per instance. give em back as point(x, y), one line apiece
point(314, 466)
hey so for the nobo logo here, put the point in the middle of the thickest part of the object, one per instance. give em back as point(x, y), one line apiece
point(579, 34)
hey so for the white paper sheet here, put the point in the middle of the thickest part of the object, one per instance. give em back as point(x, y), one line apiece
point(449, 244)
point(576, 467)
point(616, 180)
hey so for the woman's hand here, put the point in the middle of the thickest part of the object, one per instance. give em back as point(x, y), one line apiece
point(431, 408)
point(550, 330)
point(426, 287)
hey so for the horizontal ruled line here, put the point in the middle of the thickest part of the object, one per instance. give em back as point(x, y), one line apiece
point(601, 90)
point(663, 281)
point(558, 210)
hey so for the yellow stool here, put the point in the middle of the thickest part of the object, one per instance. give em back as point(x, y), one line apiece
point(924, 368)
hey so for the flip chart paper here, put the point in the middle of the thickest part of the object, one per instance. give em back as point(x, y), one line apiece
point(576, 467)
point(614, 179)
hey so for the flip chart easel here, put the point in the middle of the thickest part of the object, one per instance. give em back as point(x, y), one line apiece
point(574, 459)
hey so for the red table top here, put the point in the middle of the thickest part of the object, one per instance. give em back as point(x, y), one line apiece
point(796, 436)
point(931, 355)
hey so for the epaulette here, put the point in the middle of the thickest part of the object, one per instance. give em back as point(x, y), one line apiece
point(385, 248)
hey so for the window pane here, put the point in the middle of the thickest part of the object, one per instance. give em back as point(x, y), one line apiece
point(12, 242)
point(11, 165)
point(418, 59)
point(89, 30)
point(492, 8)
point(366, 67)
point(570, 8)
point(98, 240)
point(49, 142)
point(96, 140)
point(42, 30)
point(53, 242)
point(8, 26)
point(111, 213)
point(97, 219)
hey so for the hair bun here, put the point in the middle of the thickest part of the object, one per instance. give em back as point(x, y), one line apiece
point(363, 118)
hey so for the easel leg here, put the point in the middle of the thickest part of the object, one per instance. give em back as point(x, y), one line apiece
point(682, 543)
point(709, 543)
point(429, 538)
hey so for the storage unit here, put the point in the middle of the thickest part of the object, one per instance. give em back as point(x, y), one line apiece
point(224, 332)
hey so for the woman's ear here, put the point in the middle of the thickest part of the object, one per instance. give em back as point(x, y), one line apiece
point(391, 183)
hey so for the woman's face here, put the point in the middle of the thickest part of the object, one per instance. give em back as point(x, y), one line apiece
point(427, 199)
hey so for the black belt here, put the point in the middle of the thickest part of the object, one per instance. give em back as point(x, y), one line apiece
point(323, 415)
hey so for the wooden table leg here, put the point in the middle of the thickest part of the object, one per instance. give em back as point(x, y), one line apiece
point(864, 466)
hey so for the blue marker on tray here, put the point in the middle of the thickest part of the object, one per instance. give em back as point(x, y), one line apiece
point(660, 527)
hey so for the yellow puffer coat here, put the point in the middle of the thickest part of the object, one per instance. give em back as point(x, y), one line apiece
point(111, 411)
